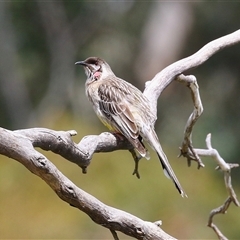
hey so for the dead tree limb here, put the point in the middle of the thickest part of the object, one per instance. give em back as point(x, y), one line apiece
point(162, 79)
point(19, 145)
point(226, 169)
point(193, 154)
point(187, 147)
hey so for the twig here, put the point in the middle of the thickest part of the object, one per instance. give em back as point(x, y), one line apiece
point(221, 209)
point(226, 168)
point(187, 147)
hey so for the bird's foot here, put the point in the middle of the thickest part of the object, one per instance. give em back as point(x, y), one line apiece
point(136, 159)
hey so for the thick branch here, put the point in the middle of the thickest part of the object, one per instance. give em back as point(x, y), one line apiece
point(60, 142)
point(162, 79)
point(19, 145)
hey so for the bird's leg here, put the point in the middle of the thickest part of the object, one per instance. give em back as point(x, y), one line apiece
point(136, 159)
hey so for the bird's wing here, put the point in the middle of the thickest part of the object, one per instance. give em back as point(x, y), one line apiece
point(117, 111)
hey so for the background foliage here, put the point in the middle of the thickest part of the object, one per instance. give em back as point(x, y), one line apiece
point(41, 87)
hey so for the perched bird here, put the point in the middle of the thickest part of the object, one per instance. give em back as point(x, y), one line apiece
point(124, 109)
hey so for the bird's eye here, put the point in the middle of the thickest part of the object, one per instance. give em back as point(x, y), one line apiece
point(93, 62)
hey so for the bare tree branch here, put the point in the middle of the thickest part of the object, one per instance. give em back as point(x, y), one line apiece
point(226, 169)
point(222, 209)
point(162, 79)
point(187, 148)
point(191, 153)
point(19, 145)
point(60, 142)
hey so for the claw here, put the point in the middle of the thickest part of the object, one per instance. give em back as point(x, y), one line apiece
point(136, 159)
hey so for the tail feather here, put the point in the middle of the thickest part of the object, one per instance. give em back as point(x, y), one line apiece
point(169, 172)
point(151, 137)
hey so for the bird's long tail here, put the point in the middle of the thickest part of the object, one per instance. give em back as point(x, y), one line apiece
point(168, 171)
point(154, 143)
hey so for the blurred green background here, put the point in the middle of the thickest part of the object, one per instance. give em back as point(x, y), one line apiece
point(41, 87)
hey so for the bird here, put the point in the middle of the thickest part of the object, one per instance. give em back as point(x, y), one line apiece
point(124, 109)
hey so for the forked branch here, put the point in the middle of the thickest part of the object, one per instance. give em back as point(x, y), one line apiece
point(193, 154)
point(19, 145)
point(187, 147)
point(226, 169)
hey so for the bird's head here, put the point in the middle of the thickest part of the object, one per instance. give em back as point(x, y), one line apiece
point(95, 68)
